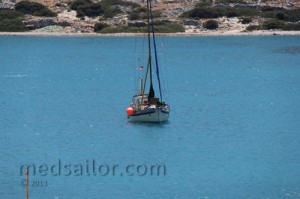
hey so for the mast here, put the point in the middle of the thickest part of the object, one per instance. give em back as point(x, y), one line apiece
point(141, 86)
point(151, 91)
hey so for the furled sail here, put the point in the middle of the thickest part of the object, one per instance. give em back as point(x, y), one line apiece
point(151, 93)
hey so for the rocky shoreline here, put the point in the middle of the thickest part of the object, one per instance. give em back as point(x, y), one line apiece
point(204, 33)
point(183, 18)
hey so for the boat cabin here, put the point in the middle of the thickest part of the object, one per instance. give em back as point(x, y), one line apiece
point(140, 102)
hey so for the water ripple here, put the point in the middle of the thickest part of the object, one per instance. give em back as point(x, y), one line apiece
point(288, 50)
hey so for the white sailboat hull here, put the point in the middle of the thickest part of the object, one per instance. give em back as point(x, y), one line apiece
point(157, 116)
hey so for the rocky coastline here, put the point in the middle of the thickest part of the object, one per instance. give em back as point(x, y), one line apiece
point(204, 33)
point(69, 23)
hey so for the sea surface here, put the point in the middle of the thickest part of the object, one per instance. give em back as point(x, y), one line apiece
point(233, 131)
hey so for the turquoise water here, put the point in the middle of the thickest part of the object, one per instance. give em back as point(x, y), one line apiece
point(233, 130)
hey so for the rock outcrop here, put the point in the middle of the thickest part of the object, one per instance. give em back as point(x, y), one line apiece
point(137, 24)
point(37, 23)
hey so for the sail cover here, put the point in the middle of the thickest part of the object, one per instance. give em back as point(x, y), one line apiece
point(151, 93)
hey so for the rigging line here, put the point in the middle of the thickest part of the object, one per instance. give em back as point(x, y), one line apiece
point(141, 56)
point(145, 81)
point(149, 39)
point(162, 68)
point(155, 51)
point(166, 77)
point(135, 58)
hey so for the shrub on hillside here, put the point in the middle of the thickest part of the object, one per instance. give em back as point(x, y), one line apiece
point(141, 13)
point(106, 8)
point(204, 4)
point(246, 20)
point(10, 14)
point(292, 15)
point(203, 13)
point(205, 9)
point(231, 14)
point(134, 16)
point(280, 16)
point(11, 21)
point(99, 26)
point(211, 24)
point(252, 28)
point(163, 28)
point(34, 8)
point(273, 24)
point(269, 8)
point(231, 1)
point(108, 3)
point(215, 12)
point(247, 12)
point(12, 25)
point(291, 26)
point(90, 10)
point(111, 12)
point(75, 4)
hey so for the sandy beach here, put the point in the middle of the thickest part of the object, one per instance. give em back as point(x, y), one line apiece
point(204, 33)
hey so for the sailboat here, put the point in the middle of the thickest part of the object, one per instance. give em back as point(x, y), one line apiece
point(146, 107)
